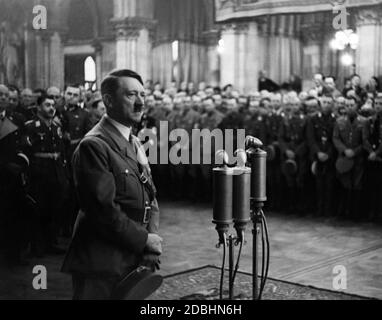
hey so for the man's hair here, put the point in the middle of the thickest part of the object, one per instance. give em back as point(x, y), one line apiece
point(39, 91)
point(42, 98)
point(110, 84)
point(331, 77)
point(352, 98)
point(328, 96)
point(264, 99)
point(14, 88)
point(227, 86)
point(76, 85)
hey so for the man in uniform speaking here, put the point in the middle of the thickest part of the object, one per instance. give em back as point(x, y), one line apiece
point(116, 229)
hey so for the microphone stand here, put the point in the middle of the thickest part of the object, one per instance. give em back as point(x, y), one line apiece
point(256, 218)
point(257, 158)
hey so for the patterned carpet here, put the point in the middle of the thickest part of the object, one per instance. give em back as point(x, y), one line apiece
point(203, 284)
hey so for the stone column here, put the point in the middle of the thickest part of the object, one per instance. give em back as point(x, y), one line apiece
point(212, 74)
point(57, 64)
point(98, 61)
point(233, 59)
point(133, 44)
point(312, 53)
point(369, 54)
point(29, 57)
point(252, 58)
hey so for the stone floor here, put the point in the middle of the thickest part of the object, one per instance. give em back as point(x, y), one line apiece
point(304, 250)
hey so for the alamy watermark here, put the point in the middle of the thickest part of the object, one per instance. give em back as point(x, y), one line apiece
point(40, 19)
point(340, 21)
point(40, 281)
point(340, 278)
point(179, 147)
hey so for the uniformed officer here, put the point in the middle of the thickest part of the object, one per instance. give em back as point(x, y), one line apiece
point(373, 174)
point(162, 113)
point(13, 181)
point(186, 174)
point(28, 104)
point(348, 140)
point(274, 174)
point(97, 109)
point(49, 178)
point(210, 120)
point(294, 151)
point(75, 123)
point(255, 120)
point(233, 120)
point(322, 154)
point(117, 228)
point(14, 107)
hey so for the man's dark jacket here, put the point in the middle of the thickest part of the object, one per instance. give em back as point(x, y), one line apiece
point(109, 236)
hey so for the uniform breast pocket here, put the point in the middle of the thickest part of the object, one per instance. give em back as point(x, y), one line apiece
point(128, 186)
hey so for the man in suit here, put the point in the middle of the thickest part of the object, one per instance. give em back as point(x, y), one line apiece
point(116, 229)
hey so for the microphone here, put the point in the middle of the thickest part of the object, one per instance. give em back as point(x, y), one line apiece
point(241, 194)
point(258, 162)
point(252, 142)
point(222, 195)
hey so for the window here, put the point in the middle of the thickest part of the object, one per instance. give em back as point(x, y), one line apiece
point(175, 61)
point(90, 73)
point(175, 51)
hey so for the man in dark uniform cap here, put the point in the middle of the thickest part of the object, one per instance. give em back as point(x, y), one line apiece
point(116, 229)
point(49, 176)
point(348, 140)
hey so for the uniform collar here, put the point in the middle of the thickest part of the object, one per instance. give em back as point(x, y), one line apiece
point(3, 115)
point(114, 137)
point(123, 130)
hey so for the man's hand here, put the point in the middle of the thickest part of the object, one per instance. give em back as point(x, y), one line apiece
point(290, 154)
point(372, 156)
point(154, 243)
point(322, 156)
point(349, 153)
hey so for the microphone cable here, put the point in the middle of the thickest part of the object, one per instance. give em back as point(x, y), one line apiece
point(265, 277)
point(223, 266)
point(238, 256)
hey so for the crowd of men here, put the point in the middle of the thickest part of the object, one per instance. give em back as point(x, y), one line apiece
point(324, 151)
